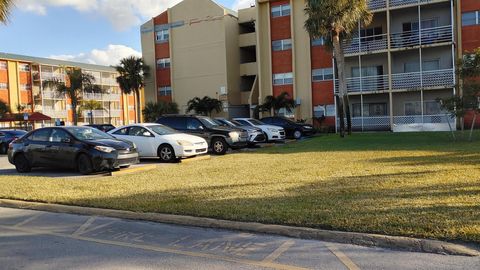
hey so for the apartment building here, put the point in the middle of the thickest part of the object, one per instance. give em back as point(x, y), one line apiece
point(397, 67)
point(21, 83)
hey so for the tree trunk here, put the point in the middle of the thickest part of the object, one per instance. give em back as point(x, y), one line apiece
point(74, 111)
point(342, 83)
point(139, 106)
point(340, 116)
point(349, 115)
point(473, 126)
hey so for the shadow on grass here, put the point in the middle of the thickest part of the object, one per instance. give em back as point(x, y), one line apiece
point(394, 204)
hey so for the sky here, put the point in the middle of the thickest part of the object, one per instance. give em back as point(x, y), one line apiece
point(90, 31)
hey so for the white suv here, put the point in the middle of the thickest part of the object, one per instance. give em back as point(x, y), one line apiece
point(273, 133)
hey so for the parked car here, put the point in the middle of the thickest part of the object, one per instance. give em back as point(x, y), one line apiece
point(155, 140)
point(220, 138)
point(292, 129)
point(255, 135)
point(83, 148)
point(103, 127)
point(273, 133)
point(7, 136)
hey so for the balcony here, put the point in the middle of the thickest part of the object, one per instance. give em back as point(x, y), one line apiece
point(427, 79)
point(47, 76)
point(248, 69)
point(95, 113)
point(53, 113)
point(52, 95)
point(409, 123)
point(365, 84)
point(108, 81)
point(399, 3)
point(369, 123)
point(366, 44)
point(92, 96)
point(247, 40)
point(377, 4)
point(428, 36)
point(401, 81)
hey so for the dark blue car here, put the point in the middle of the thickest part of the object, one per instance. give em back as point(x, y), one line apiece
point(7, 136)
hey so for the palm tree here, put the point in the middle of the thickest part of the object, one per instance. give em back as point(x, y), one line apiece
point(132, 72)
point(277, 103)
point(204, 106)
point(153, 111)
point(4, 109)
point(5, 6)
point(335, 21)
point(90, 106)
point(76, 83)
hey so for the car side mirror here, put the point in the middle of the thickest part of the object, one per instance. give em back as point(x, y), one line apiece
point(201, 127)
point(147, 134)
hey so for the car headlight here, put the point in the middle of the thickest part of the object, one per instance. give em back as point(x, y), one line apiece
point(184, 143)
point(272, 129)
point(234, 135)
point(104, 149)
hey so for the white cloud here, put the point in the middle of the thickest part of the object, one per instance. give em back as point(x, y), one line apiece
point(239, 4)
point(109, 56)
point(122, 14)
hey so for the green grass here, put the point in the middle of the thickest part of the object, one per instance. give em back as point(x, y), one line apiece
point(417, 184)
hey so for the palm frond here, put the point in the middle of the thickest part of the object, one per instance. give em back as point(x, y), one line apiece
point(5, 7)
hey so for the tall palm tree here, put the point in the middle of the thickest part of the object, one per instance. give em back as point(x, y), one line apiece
point(132, 72)
point(282, 101)
point(76, 83)
point(5, 7)
point(90, 106)
point(204, 106)
point(335, 21)
point(153, 111)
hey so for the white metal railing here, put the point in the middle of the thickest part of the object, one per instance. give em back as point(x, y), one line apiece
point(423, 119)
point(365, 84)
point(377, 4)
point(115, 97)
point(365, 44)
point(55, 113)
point(108, 81)
point(95, 113)
point(114, 113)
point(395, 3)
point(369, 123)
point(52, 95)
point(429, 36)
point(92, 96)
point(52, 76)
point(416, 80)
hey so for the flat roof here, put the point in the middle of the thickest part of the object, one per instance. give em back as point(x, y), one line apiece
point(54, 62)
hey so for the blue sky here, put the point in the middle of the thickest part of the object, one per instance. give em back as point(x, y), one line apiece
point(94, 31)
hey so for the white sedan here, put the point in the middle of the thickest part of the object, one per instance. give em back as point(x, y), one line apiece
point(273, 133)
point(155, 140)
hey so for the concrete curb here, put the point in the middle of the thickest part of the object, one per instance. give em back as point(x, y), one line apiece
point(362, 239)
point(198, 158)
point(141, 168)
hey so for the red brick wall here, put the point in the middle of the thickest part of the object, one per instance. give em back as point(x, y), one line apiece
point(322, 93)
point(4, 92)
point(278, 89)
point(162, 50)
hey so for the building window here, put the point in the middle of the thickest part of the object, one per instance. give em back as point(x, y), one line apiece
point(282, 10)
point(370, 34)
point(427, 65)
point(3, 86)
point(318, 41)
point(162, 36)
point(369, 109)
point(431, 107)
point(412, 108)
point(282, 78)
point(324, 110)
point(165, 91)
point(470, 18)
point(282, 45)
point(24, 67)
point(163, 63)
point(322, 74)
point(3, 65)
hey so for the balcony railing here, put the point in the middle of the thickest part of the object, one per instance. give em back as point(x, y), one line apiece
point(377, 4)
point(100, 96)
point(52, 95)
point(365, 84)
point(433, 35)
point(55, 113)
point(108, 81)
point(95, 113)
point(366, 44)
point(416, 80)
point(53, 76)
point(423, 119)
point(369, 123)
point(396, 3)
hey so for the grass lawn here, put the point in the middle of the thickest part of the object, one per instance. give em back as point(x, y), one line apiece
point(416, 184)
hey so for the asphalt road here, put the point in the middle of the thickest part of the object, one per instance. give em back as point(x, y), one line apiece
point(42, 240)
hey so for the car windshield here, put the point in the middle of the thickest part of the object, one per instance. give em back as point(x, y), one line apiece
point(17, 132)
point(88, 134)
point(225, 122)
point(207, 121)
point(256, 122)
point(238, 124)
point(162, 130)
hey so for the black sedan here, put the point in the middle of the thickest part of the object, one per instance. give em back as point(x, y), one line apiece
point(8, 136)
point(103, 127)
point(294, 130)
point(86, 149)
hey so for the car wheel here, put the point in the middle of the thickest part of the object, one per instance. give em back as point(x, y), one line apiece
point(3, 149)
point(21, 164)
point(219, 146)
point(266, 137)
point(297, 134)
point(166, 153)
point(84, 164)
